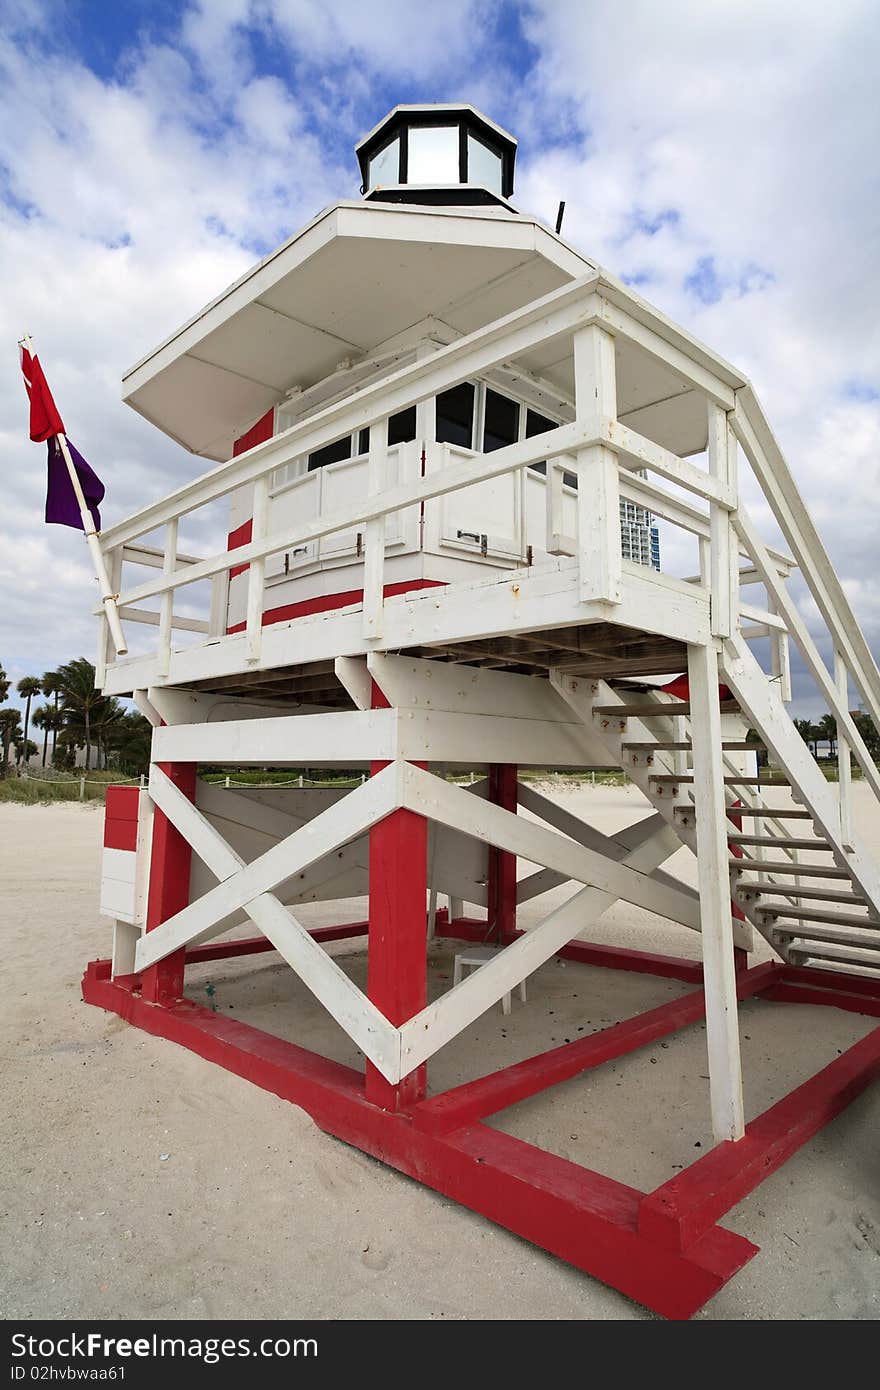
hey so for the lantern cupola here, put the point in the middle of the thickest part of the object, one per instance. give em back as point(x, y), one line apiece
point(437, 154)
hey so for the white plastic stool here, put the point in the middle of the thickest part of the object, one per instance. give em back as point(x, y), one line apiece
point(477, 956)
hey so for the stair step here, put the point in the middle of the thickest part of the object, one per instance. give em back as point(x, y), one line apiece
point(837, 936)
point(764, 866)
point(652, 745)
point(728, 781)
point(803, 890)
point(821, 914)
point(770, 812)
point(821, 845)
point(636, 711)
point(847, 955)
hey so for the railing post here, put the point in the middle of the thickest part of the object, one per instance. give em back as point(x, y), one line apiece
point(599, 549)
point(374, 532)
point(723, 545)
point(166, 603)
point(257, 571)
point(558, 543)
point(844, 769)
point(106, 644)
point(219, 604)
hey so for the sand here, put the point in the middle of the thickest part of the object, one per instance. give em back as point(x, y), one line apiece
point(138, 1181)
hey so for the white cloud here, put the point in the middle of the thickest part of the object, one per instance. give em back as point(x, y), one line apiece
point(734, 142)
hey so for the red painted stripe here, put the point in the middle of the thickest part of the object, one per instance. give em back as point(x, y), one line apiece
point(120, 834)
point(240, 536)
point(325, 603)
point(170, 862)
point(122, 803)
point(258, 433)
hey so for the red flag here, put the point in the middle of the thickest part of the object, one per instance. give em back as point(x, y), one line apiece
point(45, 420)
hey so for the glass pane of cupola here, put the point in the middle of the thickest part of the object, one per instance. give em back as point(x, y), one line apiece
point(385, 166)
point(433, 154)
point(484, 165)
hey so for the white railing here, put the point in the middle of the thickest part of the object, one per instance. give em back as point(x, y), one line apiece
point(610, 461)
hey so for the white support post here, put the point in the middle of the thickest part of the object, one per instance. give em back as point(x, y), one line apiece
point(599, 550)
point(723, 547)
point(725, 1070)
point(257, 571)
point(374, 533)
point(166, 605)
point(844, 768)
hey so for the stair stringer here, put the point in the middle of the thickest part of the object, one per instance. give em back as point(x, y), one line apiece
point(582, 693)
point(767, 714)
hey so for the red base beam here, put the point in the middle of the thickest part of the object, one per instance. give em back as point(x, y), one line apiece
point(662, 1249)
point(582, 1217)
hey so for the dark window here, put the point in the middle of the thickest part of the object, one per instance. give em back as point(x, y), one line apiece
point(455, 416)
point(402, 427)
point(539, 424)
point(501, 425)
point(331, 453)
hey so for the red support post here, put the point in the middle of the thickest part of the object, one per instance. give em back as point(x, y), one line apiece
point(397, 942)
point(170, 860)
point(502, 865)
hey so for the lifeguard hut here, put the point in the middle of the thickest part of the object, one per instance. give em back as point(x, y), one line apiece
point(441, 442)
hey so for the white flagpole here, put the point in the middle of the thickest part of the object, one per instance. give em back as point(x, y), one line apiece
point(91, 535)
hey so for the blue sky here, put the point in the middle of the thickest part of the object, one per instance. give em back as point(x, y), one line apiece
point(720, 158)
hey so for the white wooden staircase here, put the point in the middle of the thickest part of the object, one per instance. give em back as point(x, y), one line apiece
point(813, 895)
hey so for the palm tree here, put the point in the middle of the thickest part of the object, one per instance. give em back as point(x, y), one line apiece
point(10, 720)
point(105, 719)
point(43, 716)
point(51, 687)
point(131, 741)
point(805, 729)
point(827, 729)
point(27, 687)
point(4, 685)
point(79, 700)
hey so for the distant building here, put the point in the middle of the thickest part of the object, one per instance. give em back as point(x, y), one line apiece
point(639, 535)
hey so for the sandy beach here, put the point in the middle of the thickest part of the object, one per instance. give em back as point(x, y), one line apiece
point(139, 1181)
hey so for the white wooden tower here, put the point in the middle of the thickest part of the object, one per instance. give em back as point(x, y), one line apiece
point(439, 442)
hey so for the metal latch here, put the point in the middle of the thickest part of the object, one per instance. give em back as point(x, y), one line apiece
point(481, 540)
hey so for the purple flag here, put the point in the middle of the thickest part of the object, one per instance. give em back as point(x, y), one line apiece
point(61, 504)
